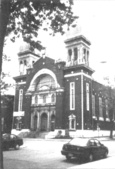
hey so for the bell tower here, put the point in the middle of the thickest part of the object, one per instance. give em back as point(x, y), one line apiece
point(78, 83)
point(78, 49)
point(26, 58)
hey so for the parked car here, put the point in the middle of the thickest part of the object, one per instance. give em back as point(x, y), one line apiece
point(86, 149)
point(11, 141)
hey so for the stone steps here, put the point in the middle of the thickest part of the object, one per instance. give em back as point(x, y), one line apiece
point(42, 134)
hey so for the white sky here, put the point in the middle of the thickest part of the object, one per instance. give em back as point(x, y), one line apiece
point(97, 23)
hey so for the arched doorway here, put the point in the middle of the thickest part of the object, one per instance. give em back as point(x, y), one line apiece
point(52, 122)
point(44, 122)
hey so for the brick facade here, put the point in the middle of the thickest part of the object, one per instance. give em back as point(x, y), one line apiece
point(58, 95)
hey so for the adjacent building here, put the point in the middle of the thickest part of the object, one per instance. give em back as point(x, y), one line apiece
point(7, 103)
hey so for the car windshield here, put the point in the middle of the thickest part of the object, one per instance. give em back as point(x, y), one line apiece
point(79, 142)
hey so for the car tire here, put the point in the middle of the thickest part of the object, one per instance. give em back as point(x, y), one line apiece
point(17, 147)
point(68, 157)
point(91, 157)
point(106, 154)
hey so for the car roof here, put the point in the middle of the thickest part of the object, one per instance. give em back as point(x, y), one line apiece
point(79, 141)
point(82, 141)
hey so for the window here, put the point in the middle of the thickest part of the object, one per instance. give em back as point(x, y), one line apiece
point(87, 55)
point(100, 108)
point(21, 67)
point(107, 110)
point(36, 99)
point(25, 67)
point(20, 100)
point(21, 62)
point(87, 96)
point(46, 83)
point(93, 105)
point(33, 62)
point(53, 98)
point(75, 54)
point(25, 62)
point(72, 122)
point(69, 54)
point(84, 55)
point(72, 96)
point(33, 99)
point(44, 98)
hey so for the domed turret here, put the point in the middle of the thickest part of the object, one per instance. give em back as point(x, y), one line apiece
point(25, 47)
point(26, 57)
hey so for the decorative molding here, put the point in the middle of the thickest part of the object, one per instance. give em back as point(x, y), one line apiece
point(94, 117)
point(77, 74)
point(39, 73)
point(107, 119)
point(19, 83)
point(101, 118)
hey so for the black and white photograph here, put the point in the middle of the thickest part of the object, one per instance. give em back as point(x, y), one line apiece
point(57, 85)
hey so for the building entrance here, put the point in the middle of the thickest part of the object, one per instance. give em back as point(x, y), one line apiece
point(44, 122)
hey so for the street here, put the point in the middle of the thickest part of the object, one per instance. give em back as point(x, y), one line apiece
point(43, 154)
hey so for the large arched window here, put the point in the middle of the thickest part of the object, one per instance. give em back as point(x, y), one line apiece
point(46, 82)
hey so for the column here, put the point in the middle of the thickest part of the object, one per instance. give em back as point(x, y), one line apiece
point(48, 127)
point(38, 120)
point(32, 121)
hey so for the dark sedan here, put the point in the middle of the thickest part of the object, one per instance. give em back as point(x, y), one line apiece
point(86, 149)
point(11, 141)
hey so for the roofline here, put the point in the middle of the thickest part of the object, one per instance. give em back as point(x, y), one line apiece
point(27, 52)
point(78, 37)
point(19, 77)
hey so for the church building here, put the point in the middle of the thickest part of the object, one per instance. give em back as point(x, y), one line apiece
point(60, 95)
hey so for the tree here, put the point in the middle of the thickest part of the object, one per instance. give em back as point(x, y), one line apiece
point(111, 110)
point(5, 85)
point(25, 17)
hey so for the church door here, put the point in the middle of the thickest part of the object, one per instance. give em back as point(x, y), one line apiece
point(44, 122)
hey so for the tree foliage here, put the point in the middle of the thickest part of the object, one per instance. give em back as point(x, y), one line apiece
point(4, 85)
point(26, 17)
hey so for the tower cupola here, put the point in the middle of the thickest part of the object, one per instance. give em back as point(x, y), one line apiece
point(78, 48)
point(26, 58)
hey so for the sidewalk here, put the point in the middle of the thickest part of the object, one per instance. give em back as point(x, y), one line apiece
point(102, 138)
point(108, 163)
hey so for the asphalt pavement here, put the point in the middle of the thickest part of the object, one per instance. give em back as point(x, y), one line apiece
point(108, 163)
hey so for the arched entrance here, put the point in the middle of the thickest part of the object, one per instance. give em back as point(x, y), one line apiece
point(52, 122)
point(44, 122)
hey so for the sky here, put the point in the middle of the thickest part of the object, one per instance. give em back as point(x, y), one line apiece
point(97, 23)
